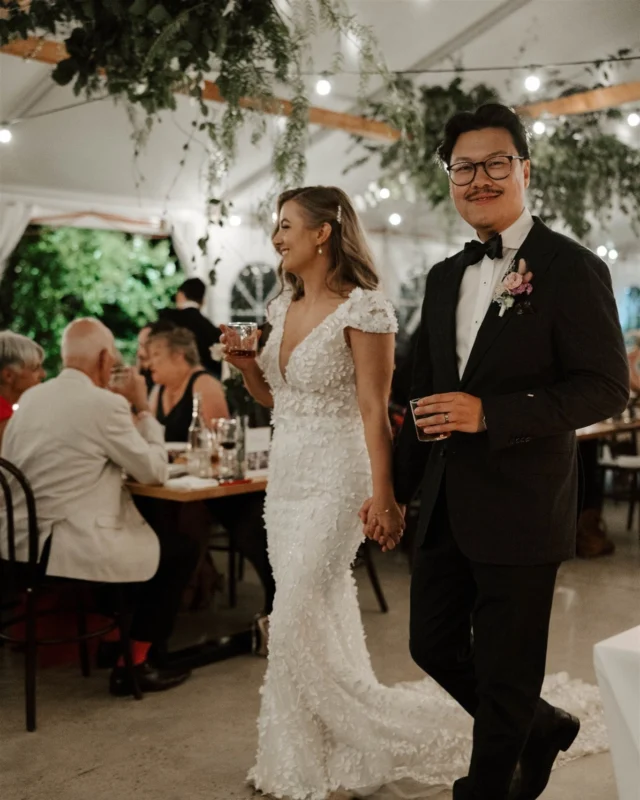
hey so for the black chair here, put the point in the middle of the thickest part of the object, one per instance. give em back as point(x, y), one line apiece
point(223, 541)
point(29, 580)
point(365, 557)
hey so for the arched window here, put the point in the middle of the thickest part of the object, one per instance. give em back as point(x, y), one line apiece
point(252, 292)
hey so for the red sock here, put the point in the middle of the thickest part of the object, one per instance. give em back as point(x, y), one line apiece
point(139, 652)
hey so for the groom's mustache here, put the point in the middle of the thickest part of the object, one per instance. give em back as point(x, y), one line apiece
point(482, 193)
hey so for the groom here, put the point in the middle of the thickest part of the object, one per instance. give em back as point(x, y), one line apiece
point(509, 367)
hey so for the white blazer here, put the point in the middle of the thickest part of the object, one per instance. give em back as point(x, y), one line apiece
point(74, 441)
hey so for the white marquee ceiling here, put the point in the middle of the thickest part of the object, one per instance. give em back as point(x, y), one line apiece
point(86, 153)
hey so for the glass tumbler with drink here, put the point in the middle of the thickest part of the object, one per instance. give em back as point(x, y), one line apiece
point(227, 435)
point(242, 339)
point(420, 432)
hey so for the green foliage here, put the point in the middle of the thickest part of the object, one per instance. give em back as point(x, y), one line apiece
point(144, 50)
point(581, 171)
point(58, 274)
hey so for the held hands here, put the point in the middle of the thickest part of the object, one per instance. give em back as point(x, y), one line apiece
point(242, 363)
point(453, 411)
point(383, 522)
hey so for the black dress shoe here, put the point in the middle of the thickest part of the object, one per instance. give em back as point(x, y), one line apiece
point(150, 679)
point(536, 762)
point(108, 654)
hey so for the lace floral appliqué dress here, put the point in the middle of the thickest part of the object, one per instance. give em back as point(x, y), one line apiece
point(326, 722)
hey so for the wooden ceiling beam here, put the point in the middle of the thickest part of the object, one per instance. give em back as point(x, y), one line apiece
point(51, 52)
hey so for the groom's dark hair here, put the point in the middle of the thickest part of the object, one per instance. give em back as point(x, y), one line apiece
point(490, 115)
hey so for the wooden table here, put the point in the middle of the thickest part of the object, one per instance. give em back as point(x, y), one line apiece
point(601, 430)
point(196, 495)
point(216, 648)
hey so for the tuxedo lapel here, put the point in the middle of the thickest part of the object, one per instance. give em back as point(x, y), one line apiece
point(537, 250)
point(446, 308)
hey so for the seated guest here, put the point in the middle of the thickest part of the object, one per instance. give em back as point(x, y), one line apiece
point(20, 369)
point(73, 439)
point(178, 375)
point(188, 314)
point(176, 371)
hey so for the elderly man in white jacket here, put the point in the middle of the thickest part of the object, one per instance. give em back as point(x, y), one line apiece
point(73, 439)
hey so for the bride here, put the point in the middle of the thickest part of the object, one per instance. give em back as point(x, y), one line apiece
point(326, 723)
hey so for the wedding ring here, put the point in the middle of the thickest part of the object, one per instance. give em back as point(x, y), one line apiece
point(446, 419)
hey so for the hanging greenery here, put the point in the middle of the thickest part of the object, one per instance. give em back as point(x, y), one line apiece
point(581, 171)
point(143, 51)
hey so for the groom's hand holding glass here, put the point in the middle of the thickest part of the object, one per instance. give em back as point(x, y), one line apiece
point(446, 413)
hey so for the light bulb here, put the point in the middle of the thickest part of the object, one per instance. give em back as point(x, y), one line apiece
point(395, 219)
point(5, 136)
point(602, 251)
point(360, 203)
point(613, 254)
point(539, 127)
point(532, 83)
point(384, 194)
point(235, 220)
point(323, 86)
point(274, 218)
point(633, 120)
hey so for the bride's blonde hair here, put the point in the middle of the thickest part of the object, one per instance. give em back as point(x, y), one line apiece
point(351, 262)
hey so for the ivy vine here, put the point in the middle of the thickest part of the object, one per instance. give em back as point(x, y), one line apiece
point(143, 51)
point(581, 170)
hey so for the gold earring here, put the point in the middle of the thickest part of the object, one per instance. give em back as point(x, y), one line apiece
point(319, 251)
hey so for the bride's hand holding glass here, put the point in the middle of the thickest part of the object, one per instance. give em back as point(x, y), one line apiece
point(241, 362)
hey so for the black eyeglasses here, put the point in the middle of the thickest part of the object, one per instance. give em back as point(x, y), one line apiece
point(497, 168)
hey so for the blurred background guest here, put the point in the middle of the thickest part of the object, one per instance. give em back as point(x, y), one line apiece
point(188, 314)
point(20, 369)
point(178, 374)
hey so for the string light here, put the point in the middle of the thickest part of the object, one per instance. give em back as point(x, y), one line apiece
point(633, 120)
point(5, 136)
point(532, 83)
point(602, 251)
point(395, 219)
point(613, 254)
point(323, 87)
point(384, 193)
point(235, 220)
point(274, 218)
point(539, 127)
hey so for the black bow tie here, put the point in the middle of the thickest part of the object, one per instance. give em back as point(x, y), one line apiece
point(475, 251)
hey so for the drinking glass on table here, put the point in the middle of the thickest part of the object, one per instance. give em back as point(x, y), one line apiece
point(227, 435)
point(120, 375)
point(242, 339)
point(422, 436)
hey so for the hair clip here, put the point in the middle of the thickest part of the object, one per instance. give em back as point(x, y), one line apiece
point(339, 215)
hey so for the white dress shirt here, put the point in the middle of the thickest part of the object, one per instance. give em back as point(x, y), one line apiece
point(479, 284)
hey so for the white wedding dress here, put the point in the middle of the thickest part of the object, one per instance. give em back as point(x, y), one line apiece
point(326, 722)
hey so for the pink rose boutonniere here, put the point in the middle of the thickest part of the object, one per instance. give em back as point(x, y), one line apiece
point(516, 282)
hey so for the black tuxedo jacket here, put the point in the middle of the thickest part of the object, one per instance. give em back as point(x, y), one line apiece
point(512, 490)
point(206, 333)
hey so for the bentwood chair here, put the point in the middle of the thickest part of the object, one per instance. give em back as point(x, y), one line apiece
point(28, 580)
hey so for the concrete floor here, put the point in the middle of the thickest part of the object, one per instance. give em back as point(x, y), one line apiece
point(197, 742)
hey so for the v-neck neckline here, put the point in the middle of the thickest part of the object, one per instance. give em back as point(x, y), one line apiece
point(283, 371)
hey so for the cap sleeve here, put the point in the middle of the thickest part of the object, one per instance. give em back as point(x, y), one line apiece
point(371, 312)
